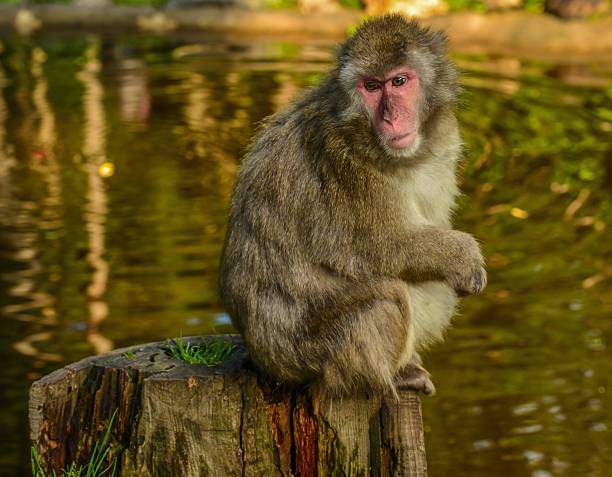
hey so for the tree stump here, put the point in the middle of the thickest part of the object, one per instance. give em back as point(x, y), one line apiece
point(176, 419)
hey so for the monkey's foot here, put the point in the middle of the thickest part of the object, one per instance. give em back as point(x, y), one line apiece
point(415, 378)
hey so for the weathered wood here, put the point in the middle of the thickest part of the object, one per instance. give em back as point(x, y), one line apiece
point(190, 420)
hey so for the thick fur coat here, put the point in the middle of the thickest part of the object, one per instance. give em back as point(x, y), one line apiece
point(340, 263)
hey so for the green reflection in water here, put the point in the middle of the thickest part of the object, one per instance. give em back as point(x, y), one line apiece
point(117, 157)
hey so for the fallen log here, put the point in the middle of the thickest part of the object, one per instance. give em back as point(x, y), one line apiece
point(178, 419)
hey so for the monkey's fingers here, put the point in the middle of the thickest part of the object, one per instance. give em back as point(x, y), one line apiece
point(472, 284)
point(479, 281)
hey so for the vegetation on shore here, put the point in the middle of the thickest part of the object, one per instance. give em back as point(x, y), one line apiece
point(102, 461)
point(535, 6)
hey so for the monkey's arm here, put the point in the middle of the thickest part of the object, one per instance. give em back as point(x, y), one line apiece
point(432, 253)
point(451, 255)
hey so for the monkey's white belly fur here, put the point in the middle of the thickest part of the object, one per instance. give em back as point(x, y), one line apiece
point(429, 194)
point(432, 305)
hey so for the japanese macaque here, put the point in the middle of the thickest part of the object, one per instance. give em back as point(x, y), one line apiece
point(340, 264)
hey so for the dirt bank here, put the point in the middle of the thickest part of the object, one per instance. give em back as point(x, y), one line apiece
point(515, 33)
point(528, 35)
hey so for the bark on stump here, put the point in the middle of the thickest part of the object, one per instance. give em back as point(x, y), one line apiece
point(177, 419)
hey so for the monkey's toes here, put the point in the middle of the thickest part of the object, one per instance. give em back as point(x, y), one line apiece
point(415, 379)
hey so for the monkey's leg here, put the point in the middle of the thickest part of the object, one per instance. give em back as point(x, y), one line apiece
point(370, 341)
point(433, 305)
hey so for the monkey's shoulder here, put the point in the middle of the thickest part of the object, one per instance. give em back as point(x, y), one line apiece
point(288, 142)
point(277, 181)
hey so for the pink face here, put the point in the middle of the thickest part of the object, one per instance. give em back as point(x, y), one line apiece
point(392, 103)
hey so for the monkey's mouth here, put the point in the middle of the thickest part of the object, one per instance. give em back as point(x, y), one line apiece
point(403, 140)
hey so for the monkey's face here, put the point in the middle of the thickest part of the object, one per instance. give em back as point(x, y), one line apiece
point(391, 102)
point(396, 77)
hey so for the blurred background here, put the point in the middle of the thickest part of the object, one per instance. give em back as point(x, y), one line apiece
point(118, 151)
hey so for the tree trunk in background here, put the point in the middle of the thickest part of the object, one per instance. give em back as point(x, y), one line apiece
point(177, 419)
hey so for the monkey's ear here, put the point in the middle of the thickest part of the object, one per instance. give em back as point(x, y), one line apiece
point(439, 43)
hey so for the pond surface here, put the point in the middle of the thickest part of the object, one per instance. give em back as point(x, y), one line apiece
point(117, 158)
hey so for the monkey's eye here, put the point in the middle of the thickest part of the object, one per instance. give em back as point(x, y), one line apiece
point(371, 85)
point(398, 81)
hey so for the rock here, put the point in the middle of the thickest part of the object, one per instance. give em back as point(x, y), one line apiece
point(498, 5)
point(576, 8)
point(26, 22)
point(412, 8)
point(157, 23)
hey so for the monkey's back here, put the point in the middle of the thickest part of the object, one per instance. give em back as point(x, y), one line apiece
point(267, 276)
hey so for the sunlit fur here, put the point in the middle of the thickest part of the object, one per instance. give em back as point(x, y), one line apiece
point(403, 153)
point(340, 263)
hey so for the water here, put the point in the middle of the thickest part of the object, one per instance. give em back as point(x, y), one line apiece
point(117, 158)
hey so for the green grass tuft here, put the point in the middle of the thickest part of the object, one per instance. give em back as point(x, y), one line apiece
point(94, 468)
point(210, 354)
point(129, 354)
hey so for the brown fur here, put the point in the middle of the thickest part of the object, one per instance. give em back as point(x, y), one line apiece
point(340, 262)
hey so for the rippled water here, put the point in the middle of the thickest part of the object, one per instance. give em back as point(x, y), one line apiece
point(117, 157)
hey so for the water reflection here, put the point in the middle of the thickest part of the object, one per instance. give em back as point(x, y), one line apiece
point(45, 164)
point(199, 121)
point(95, 166)
point(134, 92)
point(117, 158)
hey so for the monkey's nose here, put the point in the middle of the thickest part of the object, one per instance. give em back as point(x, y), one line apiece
point(389, 114)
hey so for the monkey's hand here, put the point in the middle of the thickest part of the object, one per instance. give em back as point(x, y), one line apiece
point(465, 265)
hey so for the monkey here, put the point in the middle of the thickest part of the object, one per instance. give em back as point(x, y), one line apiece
point(340, 264)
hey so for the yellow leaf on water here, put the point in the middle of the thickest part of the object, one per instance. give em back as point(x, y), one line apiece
point(519, 213)
point(493, 354)
point(559, 188)
point(585, 221)
point(496, 209)
point(106, 169)
point(583, 195)
point(486, 187)
point(592, 281)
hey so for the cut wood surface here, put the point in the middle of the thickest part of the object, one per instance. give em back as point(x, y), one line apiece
point(177, 419)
